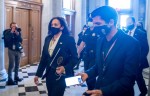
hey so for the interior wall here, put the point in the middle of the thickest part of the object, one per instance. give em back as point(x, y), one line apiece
point(51, 8)
point(78, 18)
point(46, 15)
point(147, 25)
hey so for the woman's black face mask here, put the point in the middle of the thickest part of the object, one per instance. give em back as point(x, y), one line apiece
point(54, 30)
point(102, 30)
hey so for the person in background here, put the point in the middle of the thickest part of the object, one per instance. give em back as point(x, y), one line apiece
point(89, 44)
point(140, 26)
point(59, 56)
point(80, 39)
point(141, 36)
point(116, 61)
point(13, 41)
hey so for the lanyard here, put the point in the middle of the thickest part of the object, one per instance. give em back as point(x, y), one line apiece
point(105, 57)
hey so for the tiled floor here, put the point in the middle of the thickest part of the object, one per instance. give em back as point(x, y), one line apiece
point(28, 88)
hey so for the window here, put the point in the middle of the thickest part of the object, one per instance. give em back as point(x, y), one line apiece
point(120, 4)
point(67, 4)
point(123, 19)
point(124, 10)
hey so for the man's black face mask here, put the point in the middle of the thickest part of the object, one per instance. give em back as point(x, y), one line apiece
point(102, 30)
point(130, 27)
point(54, 30)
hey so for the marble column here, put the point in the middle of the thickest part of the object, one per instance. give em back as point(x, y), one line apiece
point(3, 74)
point(135, 7)
point(92, 5)
point(50, 9)
point(78, 18)
point(148, 34)
point(57, 8)
point(84, 12)
point(102, 2)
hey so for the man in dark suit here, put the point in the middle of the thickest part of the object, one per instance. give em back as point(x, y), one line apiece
point(141, 36)
point(116, 61)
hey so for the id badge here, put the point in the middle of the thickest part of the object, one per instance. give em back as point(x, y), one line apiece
point(14, 47)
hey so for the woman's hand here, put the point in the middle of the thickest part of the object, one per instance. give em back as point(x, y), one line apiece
point(60, 70)
point(36, 80)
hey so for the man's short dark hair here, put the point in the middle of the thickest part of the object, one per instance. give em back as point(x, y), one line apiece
point(106, 13)
point(133, 19)
point(12, 23)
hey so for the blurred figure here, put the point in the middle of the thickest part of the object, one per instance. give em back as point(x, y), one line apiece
point(80, 39)
point(13, 41)
point(141, 36)
point(116, 61)
point(59, 57)
point(81, 34)
point(140, 26)
point(89, 44)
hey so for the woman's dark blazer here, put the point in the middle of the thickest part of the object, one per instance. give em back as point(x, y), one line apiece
point(67, 55)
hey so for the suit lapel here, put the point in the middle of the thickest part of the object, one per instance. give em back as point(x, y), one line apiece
point(47, 44)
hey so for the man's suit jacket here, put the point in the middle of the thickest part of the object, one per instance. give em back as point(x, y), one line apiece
point(141, 36)
point(67, 56)
point(121, 66)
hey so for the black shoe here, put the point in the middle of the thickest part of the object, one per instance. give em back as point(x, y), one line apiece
point(11, 82)
point(17, 79)
point(142, 94)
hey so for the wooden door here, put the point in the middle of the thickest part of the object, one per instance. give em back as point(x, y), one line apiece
point(35, 41)
point(27, 15)
point(8, 20)
point(22, 19)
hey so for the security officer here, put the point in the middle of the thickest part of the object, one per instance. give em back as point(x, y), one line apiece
point(89, 44)
point(80, 39)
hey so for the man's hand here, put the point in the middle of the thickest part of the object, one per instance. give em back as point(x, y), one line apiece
point(60, 70)
point(17, 33)
point(13, 29)
point(36, 80)
point(84, 76)
point(94, 92)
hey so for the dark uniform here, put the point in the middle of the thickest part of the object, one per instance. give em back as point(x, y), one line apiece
point(90, 38)
point(80, 39)
point(80, 35)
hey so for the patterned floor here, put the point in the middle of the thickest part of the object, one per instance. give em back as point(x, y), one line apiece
point(28, 88)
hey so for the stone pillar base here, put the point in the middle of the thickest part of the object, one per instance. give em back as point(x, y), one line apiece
point(3, 75)
point(3, 78)
point(3, 83)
